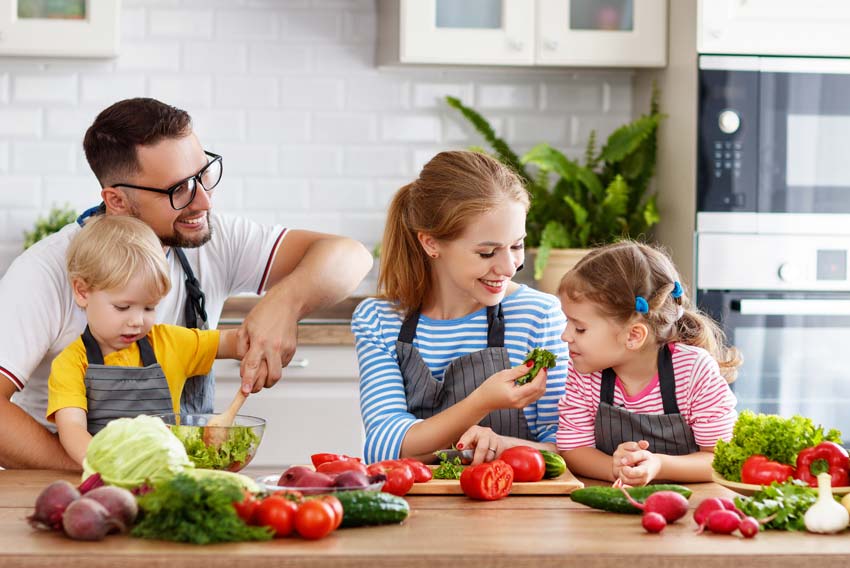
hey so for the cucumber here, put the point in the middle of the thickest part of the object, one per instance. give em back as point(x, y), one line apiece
point(361, 508)
point(555, 464)
point(612, 499)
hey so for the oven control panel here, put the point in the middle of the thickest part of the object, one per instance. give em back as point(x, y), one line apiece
point(772, 262)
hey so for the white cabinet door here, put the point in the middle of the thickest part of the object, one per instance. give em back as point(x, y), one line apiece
point(774, 27)
point(625, 33)
point(483, 32)
point(314, 408)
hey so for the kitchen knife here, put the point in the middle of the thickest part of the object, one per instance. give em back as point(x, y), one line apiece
point(464, 455)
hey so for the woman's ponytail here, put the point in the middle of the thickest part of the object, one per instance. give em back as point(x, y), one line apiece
point(403, 273)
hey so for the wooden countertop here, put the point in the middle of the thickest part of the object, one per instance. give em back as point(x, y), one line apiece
point(328, 326)
point(448, 530)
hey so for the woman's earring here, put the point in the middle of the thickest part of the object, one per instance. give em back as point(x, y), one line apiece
point(434, 255)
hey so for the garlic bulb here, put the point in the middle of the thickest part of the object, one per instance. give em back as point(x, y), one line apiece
point(826, 515)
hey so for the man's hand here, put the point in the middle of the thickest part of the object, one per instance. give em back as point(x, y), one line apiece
point(266, 342)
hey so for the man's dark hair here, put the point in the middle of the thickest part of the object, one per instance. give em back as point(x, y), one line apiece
point(110, 142)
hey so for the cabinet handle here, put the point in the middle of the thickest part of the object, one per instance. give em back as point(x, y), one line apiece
point(298, 363)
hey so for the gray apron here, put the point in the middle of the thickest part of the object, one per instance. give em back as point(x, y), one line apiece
point(426, 396)
point(666, 433)
point(198, 396)
point(117, 392)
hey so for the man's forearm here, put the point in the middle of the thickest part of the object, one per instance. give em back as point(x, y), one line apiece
point(26, 444)
point(330, 271)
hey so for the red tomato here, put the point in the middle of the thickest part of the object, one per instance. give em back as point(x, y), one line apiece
point(334, 467)
point(421, 472)
point(527, 463)
point(314, 519)
point(246, 507)
point(277, 513)
point(487, 481)
point(337, 508)
point(400, 477)
point(319, 459)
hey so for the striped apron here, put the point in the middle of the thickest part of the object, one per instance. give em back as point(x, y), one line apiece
point(426, 396)
point(118, 392)
point(666, 433)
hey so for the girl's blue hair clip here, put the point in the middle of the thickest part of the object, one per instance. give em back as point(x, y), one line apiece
point(677, 290)
point(641, 305)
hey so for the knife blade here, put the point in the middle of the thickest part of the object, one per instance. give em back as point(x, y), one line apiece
point(464, 455)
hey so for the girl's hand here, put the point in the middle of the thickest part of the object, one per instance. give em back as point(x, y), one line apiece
point(501, 391)
point(486, 443)
point(634, 464)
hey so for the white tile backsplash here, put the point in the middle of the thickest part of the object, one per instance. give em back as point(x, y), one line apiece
point(313, 134)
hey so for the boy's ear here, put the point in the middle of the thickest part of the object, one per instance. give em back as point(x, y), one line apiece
point(636, 336)
point(81, 292)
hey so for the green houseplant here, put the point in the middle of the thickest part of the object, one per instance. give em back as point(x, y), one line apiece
point(575, 205)
point(57, 218)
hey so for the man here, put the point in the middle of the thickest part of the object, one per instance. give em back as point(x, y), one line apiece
point(151, 166)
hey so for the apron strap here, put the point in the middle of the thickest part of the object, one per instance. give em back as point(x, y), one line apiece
point(195, 308)
point(96, 210)
point(146, 352)
point(495, 327)
point(667, 380)
point(606, 391)
point(93, 353)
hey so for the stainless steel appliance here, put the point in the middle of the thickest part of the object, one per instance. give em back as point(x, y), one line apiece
point(773, 227)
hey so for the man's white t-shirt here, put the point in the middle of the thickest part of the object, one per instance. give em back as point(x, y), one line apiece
point(40, 318)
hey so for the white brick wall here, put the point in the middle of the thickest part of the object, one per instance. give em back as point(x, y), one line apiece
point(312, 133)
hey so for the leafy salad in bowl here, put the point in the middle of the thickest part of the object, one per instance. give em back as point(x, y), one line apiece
point(232, 452)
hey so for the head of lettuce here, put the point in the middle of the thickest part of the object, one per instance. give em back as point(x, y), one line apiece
point(132, 451)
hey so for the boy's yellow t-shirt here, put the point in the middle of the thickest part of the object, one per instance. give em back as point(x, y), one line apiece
point(180, 351)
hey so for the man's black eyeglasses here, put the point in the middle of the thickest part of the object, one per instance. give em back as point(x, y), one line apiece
point(182, 193)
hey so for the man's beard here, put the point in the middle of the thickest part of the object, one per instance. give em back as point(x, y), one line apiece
point(178, 240)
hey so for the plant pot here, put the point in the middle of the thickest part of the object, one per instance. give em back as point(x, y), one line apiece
point(560, 262)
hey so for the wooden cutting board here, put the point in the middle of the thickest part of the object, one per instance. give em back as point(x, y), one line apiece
point(563, 485)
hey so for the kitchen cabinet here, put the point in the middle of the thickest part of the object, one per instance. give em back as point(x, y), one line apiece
point(315, 407)
point(574, 33)
point(774, 27)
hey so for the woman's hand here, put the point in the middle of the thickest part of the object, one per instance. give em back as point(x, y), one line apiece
point(501, 391)
point(486, 443)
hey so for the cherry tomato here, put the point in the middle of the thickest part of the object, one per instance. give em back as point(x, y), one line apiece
point(487, 481)
point(337, 509)
point(319, 459)
point(314, 519)
point(246, 507)
point(527, 462)
point(421, 472)
point(400, 477)
point(335, 467)
point(277, 513)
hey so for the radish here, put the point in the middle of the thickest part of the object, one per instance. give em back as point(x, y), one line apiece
point(749, 527)
point(722, 522)
point(653, 522)
point(729, 505)
point(669, 504)
point(705, 508)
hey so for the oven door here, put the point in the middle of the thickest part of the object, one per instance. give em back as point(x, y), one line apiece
point(795, 347)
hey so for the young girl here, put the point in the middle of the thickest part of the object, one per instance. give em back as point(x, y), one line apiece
point(440, 351)
point(647, 394)
point(123, 365)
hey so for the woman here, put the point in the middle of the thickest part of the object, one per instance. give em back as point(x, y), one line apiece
point(441, 349)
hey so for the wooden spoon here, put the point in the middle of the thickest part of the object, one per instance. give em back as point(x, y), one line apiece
point(215, 431)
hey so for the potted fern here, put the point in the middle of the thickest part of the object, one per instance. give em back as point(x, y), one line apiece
point(576, 205)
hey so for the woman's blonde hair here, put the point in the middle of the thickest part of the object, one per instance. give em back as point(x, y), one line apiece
point(111, 250)
point(453, 189)
point(613, 276)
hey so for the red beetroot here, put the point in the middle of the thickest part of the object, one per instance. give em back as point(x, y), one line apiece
point(86, 519)
point(749, 527)
point(119, 502)
point(669, 504)
point(705, 508)
point(723, 522)
point(653, 522)
point(51, 504)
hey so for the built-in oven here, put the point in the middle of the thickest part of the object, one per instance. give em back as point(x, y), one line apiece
point(784, 301)
point(773, 144)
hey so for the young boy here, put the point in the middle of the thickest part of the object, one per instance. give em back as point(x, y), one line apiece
point(123, 364)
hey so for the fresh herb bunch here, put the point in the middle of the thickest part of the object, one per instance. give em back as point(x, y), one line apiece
point(240, 442)
point(448, 469)
point(56, 219)
point(542, 358)
point(785, 503)
point(599, 201)
point(199, 511)
point(778, 438)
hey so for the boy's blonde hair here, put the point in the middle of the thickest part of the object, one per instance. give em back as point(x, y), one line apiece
point(112, 250)
point(611, 277)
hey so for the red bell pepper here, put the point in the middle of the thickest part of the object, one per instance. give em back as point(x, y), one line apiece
point(759, 470)
point(488, 481)
point(319, 459)
point(826, 457)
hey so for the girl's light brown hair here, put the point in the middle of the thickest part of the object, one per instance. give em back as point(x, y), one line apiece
point(453, 189)
point(111, 250)
point(612, 276)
